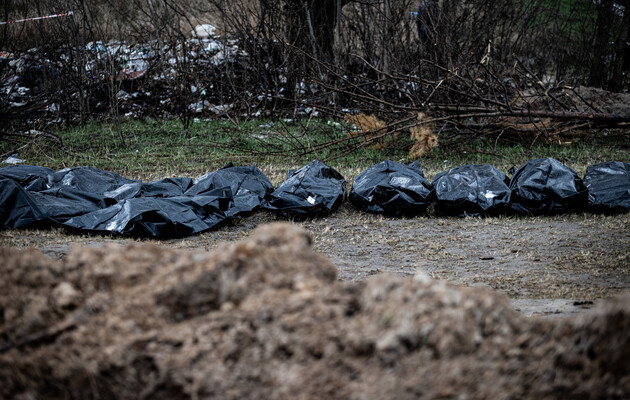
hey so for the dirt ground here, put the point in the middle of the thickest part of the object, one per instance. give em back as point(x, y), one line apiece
point(549, 266)
point(269, 317)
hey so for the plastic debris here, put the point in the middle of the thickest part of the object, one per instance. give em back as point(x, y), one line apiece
point(392, 188)
point(13, 159)
point(545, 186)
point(203, 31)
point(472, 190)
point(608, 186)
point(312, 190)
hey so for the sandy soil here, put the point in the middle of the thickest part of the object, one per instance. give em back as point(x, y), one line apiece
point(553, 266)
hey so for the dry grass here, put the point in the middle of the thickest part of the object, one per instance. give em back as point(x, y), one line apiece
point(425, 139)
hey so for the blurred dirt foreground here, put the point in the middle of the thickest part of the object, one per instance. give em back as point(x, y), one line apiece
point(266, 318)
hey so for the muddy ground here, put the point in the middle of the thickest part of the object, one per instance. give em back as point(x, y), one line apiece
point(549, 266)
point(268, 317)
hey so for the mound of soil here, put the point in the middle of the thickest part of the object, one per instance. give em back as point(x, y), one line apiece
point(267, 318)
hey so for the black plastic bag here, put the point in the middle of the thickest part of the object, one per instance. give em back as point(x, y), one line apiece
point(392, 188)
point(249, 186)
point(168, 187)
point(59, 196)
point(314, 189)
point(28, 177)
point(608, 187)
point(17, 208)
point(471, 190)
point(546, 187)
point(87, 179)
point(90, 199)
point(61, 203)
point(158, 217)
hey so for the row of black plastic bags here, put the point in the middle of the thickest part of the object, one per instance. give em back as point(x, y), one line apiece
point(90, 199)
point(539, 187)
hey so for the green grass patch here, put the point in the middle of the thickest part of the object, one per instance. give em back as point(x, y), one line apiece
point(153, 149)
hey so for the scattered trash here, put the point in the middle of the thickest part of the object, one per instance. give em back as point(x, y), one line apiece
point(199, 106)
point(392, 188)
point(148, 72)
point(545, 187)
point(134, 69)
point(122, 95)
point(471, 190)
point(220, 109)
point(13, 159)
point(608, 186)
point(203, 31)
point(312, 190)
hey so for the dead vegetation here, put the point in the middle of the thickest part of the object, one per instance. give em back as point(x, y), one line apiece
point(372, 130)
point(374, 134)
point(425, 139)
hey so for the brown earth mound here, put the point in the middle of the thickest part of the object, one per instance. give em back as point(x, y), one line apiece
point(266, 318)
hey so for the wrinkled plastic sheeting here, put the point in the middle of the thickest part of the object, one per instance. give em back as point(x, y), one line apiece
point(59, 196)
point(392, 188)
point(168, 187)
point(315, 189)
point(17, 209)
point(249, 186)
point(28, 177)
point(608, 187)
point(158, 216)
point(87, 179)
point(545, 186)
point(471, 190)
point(90, 199)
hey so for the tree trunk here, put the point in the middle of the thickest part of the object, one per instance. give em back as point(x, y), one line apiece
point(605, 17)
point(622, 52)
point(323, 23)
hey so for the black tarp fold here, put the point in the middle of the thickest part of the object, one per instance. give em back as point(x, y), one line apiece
point(545, 186)
point(315, 189)
point(392, 188)
point(608, 187)
point(471, 190)
point(90, 199)
point(249, 186)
